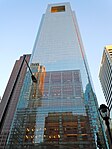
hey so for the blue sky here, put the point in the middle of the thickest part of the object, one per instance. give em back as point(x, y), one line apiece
point(19, 22)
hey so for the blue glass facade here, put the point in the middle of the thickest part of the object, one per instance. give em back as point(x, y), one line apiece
point(61, 109)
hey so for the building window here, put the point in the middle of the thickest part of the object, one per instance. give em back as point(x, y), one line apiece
point(57, 9)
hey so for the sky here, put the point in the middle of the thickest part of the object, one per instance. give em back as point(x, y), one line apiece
point(19, 23)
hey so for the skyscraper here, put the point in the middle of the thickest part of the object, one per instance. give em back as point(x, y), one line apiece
point(10, 98)
point(105, 75)
point(59, 109)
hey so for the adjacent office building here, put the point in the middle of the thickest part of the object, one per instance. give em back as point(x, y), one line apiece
point(59, 109)
point(105, 75)
point(10, 98)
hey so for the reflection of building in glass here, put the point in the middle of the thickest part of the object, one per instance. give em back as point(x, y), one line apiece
point(89, 101)
point(10, 97)
point(55, 112)
point(25, 120)
point(68, 128)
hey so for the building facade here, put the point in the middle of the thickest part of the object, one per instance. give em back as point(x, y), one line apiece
point(105, 75)
point(10, 98)
point(60, 109)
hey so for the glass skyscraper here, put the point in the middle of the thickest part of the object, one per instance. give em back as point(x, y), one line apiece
point(60, 109)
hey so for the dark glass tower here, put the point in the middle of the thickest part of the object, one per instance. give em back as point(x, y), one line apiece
point(60, 109)
point(10, 98)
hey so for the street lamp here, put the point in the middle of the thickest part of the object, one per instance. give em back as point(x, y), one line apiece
point(105, 114)
point(32, 76)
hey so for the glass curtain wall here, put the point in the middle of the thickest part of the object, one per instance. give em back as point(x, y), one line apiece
point(61, 109)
